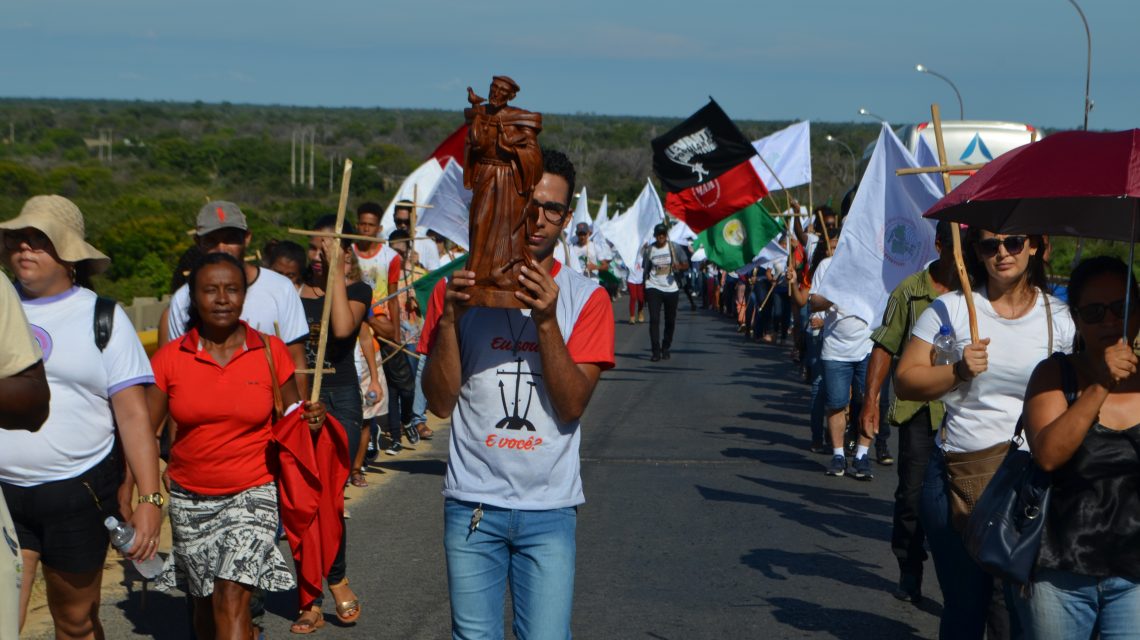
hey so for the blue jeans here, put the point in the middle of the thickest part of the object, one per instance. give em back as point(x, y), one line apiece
point(532, 550)
point(419, 405)
point(968, 593)
point(1066, 605)
point(843, 383)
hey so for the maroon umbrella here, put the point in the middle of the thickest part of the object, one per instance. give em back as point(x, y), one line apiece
point(1074, 183)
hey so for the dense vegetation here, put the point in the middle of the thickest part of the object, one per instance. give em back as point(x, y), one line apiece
point(170, 158)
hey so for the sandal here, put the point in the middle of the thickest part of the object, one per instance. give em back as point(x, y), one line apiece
point(357, 479)
point(347, 611)
point(310, 620)
point(425, 432)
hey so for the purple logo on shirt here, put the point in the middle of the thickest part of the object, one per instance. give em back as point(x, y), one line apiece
point(43, 339)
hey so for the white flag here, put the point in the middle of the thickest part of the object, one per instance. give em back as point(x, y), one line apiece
point(603, 215)
point(425, 177)
point(581, 213)
point(773, 256)
point(884, 238)
point(449, 207)
point(681, 233)
point(927, 158)
point(788, 152)
point(629, 231)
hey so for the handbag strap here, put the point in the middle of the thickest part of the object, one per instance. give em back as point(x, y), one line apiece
point(1068, 387)
point(278, 403)
point(1048, 321)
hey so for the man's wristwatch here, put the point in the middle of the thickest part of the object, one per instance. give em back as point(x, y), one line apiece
point(154, 498)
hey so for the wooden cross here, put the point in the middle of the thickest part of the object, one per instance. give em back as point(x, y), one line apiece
point(945, 170)
point(334, 268)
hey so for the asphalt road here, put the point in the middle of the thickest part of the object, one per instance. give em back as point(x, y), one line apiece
point(706, 517)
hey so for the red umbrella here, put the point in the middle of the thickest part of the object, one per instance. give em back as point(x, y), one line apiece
point(1074, 183)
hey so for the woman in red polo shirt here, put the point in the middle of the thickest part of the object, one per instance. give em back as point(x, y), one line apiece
point(216, 383)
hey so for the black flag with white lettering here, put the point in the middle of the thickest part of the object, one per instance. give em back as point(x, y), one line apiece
point(699, 149)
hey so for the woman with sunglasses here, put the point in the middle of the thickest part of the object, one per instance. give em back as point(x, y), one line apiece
point(60, 482)
point(983, 397)
point(1088, 570)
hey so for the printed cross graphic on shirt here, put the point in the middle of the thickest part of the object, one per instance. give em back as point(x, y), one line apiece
point(514, 420)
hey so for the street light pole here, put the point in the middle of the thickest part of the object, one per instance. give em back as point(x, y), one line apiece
point(831, 138)
point(863, 111)
point(961, 109)
point(1088, 67)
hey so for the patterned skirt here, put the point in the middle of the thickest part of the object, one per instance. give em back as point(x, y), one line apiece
point(230, 537)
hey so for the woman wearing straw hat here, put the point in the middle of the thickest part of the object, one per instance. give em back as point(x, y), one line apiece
point(60, 482)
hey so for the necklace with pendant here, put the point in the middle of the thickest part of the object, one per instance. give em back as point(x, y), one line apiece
point(515, 338)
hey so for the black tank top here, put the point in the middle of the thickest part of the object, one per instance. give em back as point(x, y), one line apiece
point(1093, 523)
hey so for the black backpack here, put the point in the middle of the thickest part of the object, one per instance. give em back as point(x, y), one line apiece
point(104, 321)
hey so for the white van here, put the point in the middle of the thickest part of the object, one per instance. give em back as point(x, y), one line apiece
point(969, 141)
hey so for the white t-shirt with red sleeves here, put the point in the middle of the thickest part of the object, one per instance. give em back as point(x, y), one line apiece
point(508, 448)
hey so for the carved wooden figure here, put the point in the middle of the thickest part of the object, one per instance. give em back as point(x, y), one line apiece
point(503, 164)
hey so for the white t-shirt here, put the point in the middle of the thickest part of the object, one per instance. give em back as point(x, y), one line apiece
point(271, 298)
point(379, 270)
point(661, 277)
point(428, 253)
point(580, 256)
point(984, 411)
point(507, 446)
point(845, 338)
point(80, 429)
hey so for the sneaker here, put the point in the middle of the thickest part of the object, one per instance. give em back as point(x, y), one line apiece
point(655, 357)
point(883, 453)
point(394, 449)
point(909, 588)
point(412, 434)
point(665, 355)
point(838, 466)
point(632, 320)
point(372, 451)
point(641, 316)
point(862, 468)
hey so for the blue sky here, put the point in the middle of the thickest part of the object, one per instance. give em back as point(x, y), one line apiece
point(1020, 60)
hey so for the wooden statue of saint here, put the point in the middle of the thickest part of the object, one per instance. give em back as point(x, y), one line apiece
point(503, 164)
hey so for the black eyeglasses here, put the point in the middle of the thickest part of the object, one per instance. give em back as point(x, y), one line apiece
point(403, 222)
point(36, 240)
point(988, 247)
point(555, 212)
point(1094, 312)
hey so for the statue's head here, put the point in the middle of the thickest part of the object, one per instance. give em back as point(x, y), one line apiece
point(503, 90)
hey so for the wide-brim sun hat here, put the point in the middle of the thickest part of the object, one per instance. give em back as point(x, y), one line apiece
point(61, 221)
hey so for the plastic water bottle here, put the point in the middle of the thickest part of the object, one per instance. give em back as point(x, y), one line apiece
point(371, 397)
point(123, 538)
point(944, 352)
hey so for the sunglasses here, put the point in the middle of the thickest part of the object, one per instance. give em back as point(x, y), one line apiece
point(1094, 312)
point(36, 240)
point(403, 221)
point(988, 247)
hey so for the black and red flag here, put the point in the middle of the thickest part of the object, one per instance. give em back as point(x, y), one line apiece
point(704, 163)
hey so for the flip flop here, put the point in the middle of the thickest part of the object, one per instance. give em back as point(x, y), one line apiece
point(357, 479)
point(305, 625)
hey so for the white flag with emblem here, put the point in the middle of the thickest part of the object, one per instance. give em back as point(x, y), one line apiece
point(425, 177)
point(788, 152)
point(449, 203)
point(630, 230)
point(884, 238)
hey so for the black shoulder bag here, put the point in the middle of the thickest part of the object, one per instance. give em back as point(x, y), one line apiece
point(1003, 534)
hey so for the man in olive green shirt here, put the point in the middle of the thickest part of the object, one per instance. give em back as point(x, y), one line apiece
point(916, 422)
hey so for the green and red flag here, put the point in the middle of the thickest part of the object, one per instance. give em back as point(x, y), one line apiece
point(736, 240)
point(710, 202)
point(424, 285)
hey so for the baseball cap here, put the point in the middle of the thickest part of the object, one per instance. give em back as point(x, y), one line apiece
point(583, 227)
point(220, 214)
point(660, 229)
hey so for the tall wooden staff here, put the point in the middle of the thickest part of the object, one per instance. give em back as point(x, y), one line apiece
point(945, 169)
point(334, 272)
